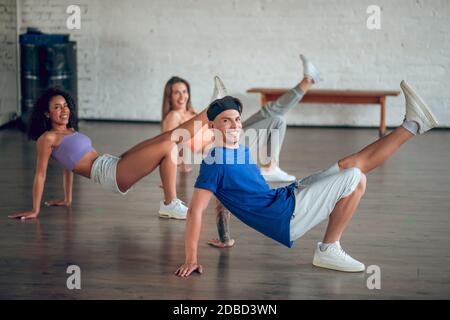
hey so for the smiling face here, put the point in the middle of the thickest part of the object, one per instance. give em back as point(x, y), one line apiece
point(58, 111)
point(179, 97)
point(228, 123)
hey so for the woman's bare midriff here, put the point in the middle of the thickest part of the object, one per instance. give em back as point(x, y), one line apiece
point(84, 166)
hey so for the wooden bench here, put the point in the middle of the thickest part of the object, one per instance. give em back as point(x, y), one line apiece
point(336, 97)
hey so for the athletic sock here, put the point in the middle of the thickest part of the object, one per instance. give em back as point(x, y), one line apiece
point(324, 246)
point(411, 126)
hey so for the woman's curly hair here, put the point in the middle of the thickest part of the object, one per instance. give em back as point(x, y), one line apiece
point(39, 123)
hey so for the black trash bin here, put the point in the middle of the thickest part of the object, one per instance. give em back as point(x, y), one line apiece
point(47, 60)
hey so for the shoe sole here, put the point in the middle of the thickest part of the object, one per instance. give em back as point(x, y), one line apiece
point(169, 216)
point(423, 106)
point(337, 268)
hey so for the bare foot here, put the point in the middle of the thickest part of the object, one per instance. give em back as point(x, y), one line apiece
point(219, 244)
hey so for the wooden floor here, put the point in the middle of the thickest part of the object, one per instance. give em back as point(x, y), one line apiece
point(126, 252)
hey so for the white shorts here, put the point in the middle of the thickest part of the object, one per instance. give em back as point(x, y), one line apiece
point(314, 202)
point(103, 172)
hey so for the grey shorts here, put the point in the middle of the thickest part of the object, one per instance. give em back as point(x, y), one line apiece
point(103, 172)
point(314, 202)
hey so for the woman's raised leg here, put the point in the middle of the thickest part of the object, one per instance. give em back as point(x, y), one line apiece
point(143, 158)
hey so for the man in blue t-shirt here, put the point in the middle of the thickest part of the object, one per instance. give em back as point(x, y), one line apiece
point(287, 213)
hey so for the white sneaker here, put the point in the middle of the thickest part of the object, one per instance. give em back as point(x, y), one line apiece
point(309, 70)
point(176, 209)
point(417, 110)
point(335, 258)
point(277, 175)
point(219, 89)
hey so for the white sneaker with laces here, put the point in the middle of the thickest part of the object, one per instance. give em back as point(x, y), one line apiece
point(309, 70)
point(175, 209)
point(276, 175)
point(335, 258)
point(219, 89)
point(417, 110)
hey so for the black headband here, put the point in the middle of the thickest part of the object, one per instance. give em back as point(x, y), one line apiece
point(226, 103)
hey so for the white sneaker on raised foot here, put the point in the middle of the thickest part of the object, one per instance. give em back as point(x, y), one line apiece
point(417, 110)
point(335, 258)
point(219, 89)
point(175, 209)
point(309, 70)
point(276, 175)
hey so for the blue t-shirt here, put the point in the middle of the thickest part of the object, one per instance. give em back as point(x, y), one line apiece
point(237, 182)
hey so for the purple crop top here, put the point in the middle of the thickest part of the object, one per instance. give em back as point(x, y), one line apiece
point(71, 149)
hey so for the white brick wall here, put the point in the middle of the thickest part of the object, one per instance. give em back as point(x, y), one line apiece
point(50, 16)
point(128, 49)
point(8, 58)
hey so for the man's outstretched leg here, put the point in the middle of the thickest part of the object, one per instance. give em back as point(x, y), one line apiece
point(334, 184)
point(418, 120)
